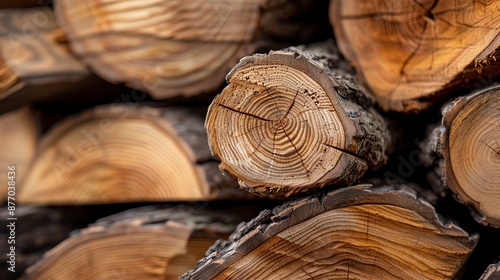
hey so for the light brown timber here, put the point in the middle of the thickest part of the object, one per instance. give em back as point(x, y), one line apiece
point(177, 47)
point(411, 54)
point(126, 153)
point(142, 243)
point(352, 233)
point(465, 149)
point(18, 142)
point(295, 120)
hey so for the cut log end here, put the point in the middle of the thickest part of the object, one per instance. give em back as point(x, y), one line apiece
point(471, 149)
point(124, 154)
point(281, 126)
point(144, 243)
point(18, 141)
point(172, 49)
point(410, 53)
point(355, 232)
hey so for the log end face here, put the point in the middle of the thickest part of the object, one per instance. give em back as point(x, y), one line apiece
point(409, 72)
point(339, 232)
point(472, 153)
point(279, 128)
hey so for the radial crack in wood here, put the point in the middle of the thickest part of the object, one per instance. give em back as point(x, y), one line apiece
point(468, 148)
point(180, 48)
point(289, 122)
point(143, 243)
point(411, 53)
point(352, 233)
point(18, 141)
point(126, 153)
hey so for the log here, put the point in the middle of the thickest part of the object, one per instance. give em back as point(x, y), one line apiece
point(143, 243)
point(491, 273)
point(19, 135)
point(179, 48)
point(37, 229)
point(293, 121)
point(352, 233)
point(36, 65)
point(126, 153)
point(411, 54)
point(30, 54)
point(465, 151)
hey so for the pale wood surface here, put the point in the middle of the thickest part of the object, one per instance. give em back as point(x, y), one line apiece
point(357, 232)
point(410, 52)
point(125, 153)
point(292, 121)
point(142, 243)
point(179, 48)
point(18, 141)
point(466, 147)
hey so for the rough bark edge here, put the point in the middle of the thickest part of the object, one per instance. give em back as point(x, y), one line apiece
point(492, 272)
point(268, 223)
point(367, 133)
point(435, 153)
point(194, 218)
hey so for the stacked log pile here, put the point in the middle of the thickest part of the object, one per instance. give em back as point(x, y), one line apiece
point(366, 133)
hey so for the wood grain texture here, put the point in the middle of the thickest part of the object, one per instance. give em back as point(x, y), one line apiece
point(467, 152)
point(179, 48)
point(143, 243)
point(353, 233)
point(125, 153)
point(37, 66)
point(29, 53)
point(18, 142)
point(290, 122)
point(41, 229)
point(411, 53)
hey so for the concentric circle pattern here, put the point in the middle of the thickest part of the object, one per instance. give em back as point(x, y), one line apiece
point(276, 126)
point(116, 159)
point(474, 153)
point(405, 50)
point(168, 48)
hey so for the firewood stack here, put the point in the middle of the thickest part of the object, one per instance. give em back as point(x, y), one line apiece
point(366, 133)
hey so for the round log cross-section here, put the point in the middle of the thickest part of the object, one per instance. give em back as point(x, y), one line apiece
point(289, 123)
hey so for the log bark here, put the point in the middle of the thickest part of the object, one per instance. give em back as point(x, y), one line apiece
point(465, 151)
point(126, 153)
point(492, 272)
point(19, 136)
point(410, 54)
point(143, 243)
point(181, 48)
point(356, 232)
point(294, 121)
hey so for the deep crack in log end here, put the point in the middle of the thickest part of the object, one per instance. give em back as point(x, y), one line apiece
point(412, 53)
point(279, 127)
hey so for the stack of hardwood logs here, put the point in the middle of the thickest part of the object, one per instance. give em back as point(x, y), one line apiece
point(372, 152)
